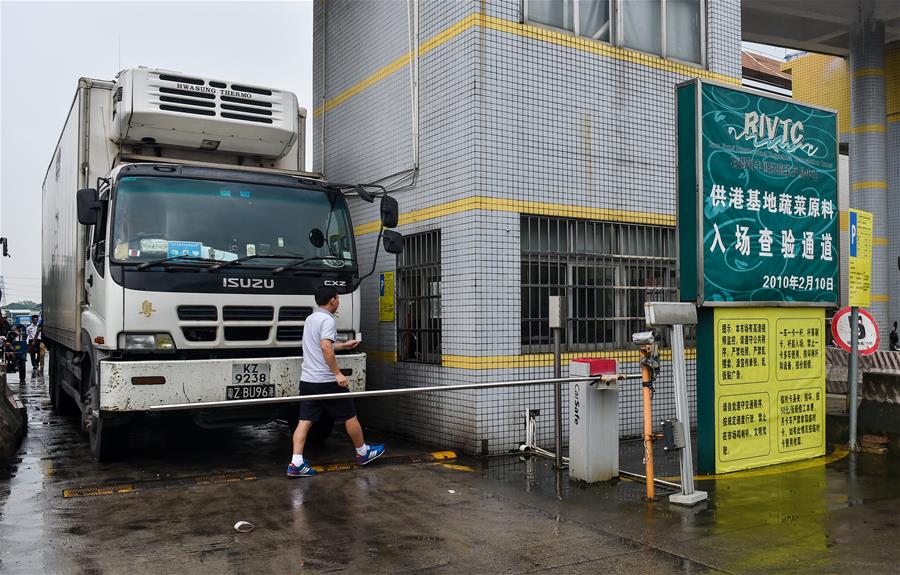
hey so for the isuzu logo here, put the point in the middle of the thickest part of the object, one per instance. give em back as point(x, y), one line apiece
point(248, 283)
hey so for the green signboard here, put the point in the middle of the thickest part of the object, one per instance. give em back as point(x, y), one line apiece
point(757, 199)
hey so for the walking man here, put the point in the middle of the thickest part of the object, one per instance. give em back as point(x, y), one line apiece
point(33, 340)
point(320, 374)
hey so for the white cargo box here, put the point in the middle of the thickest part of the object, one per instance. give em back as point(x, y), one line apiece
point(174, 109)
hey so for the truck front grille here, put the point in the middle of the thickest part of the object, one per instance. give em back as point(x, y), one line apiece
point(289, 333)
point(197, 313)
point(199, 334)
point(247, 313)
point(247, 333)
point(294, 313)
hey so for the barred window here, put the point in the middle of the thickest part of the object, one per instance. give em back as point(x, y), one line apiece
point(419, 298)
point(668, 28)
point(606, 270)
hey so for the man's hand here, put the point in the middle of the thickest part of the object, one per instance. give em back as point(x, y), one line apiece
point(347, 345)
point(342, 380)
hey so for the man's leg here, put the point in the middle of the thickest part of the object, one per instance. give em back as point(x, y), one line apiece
point(300, 434)
point(354, 430)
point(365, 454)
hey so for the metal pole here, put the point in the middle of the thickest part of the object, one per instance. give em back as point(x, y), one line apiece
point(647, 379)
point(644, 478)
point(557, 395)
point(681, 409)
point(373, 393)
point(851, 375)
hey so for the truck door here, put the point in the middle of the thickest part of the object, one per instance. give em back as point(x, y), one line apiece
point(95, 269)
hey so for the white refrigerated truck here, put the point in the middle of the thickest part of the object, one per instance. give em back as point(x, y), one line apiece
point(182, 242)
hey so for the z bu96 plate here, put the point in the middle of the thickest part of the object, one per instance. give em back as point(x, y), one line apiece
point(252, 391)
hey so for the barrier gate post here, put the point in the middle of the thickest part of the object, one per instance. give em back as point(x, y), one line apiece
point(677, 315)
point(593, 422)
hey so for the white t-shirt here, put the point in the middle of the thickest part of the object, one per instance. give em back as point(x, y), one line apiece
point(31, 332)
point(318, 326)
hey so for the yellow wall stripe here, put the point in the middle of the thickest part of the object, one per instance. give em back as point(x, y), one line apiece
point(382, 356)
point(869, 186)
point(868, 128)
point(526, 31)
point(844, 221)
point(880, 298)
point(530, 360)
point(864, 72)
point(880, 241)
point(523, 207)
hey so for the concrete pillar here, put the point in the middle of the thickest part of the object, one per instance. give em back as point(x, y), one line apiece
point(868, 172)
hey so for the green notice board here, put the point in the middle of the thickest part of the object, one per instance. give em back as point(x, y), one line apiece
point(757, 199)
point(757, 234)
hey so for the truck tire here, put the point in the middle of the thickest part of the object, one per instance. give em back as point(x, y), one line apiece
point(62, 404)
point(108, 442)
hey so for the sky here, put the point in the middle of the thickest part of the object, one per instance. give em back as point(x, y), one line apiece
point(46, 46)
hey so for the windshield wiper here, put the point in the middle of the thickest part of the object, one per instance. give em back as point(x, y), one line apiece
point(299, 263)
point(239, 261)
point(146, 265)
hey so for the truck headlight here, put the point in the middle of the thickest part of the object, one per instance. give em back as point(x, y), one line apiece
point(146, 342)
point(343, 336)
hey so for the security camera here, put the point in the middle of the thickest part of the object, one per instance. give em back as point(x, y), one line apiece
point(643, 337)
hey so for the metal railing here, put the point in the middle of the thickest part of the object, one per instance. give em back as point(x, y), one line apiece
point(373, 393)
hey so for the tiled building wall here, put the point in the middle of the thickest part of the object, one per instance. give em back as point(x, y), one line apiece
point(514, 118)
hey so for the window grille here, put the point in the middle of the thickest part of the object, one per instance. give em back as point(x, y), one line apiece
point(419, 299)
point(669, 28)
point(606, 270)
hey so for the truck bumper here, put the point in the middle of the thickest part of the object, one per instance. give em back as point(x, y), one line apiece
point(200, 381)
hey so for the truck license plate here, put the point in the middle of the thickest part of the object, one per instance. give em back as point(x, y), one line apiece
point(252, 391)
point(245, 373)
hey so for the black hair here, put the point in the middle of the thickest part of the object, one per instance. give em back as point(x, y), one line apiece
point(325, 294)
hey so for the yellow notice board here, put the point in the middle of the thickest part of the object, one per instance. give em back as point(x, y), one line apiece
point(769, 386)
point(386, 297)
point(860, 276)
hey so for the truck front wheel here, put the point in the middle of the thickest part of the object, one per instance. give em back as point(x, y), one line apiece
point(108, 442)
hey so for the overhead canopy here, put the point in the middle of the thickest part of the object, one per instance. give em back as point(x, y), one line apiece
point(815, 26)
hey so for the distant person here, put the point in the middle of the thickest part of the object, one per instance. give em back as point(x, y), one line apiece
point(320, 374)
point(895, 339)
point(33, 339)
point(42, 350)
point(20, 350)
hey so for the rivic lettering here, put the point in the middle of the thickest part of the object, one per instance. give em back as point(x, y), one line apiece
point(773, 133)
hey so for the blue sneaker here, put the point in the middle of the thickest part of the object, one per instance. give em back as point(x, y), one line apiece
point(302, 470)
point(374, 452)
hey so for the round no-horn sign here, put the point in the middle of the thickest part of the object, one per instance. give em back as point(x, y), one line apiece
point(867, 331)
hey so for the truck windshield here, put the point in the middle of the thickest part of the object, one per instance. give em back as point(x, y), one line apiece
point(160, 217)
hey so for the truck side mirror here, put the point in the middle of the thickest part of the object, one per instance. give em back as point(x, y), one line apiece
point(393, 242)
point(88, 202)
point(390, 212)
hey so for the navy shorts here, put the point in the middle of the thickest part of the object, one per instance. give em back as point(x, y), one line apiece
point(338, 410)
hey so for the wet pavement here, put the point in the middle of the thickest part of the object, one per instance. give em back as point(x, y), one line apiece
point(171, 504)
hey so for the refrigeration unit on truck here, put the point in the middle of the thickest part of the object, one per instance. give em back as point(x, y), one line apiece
point(182, 243)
